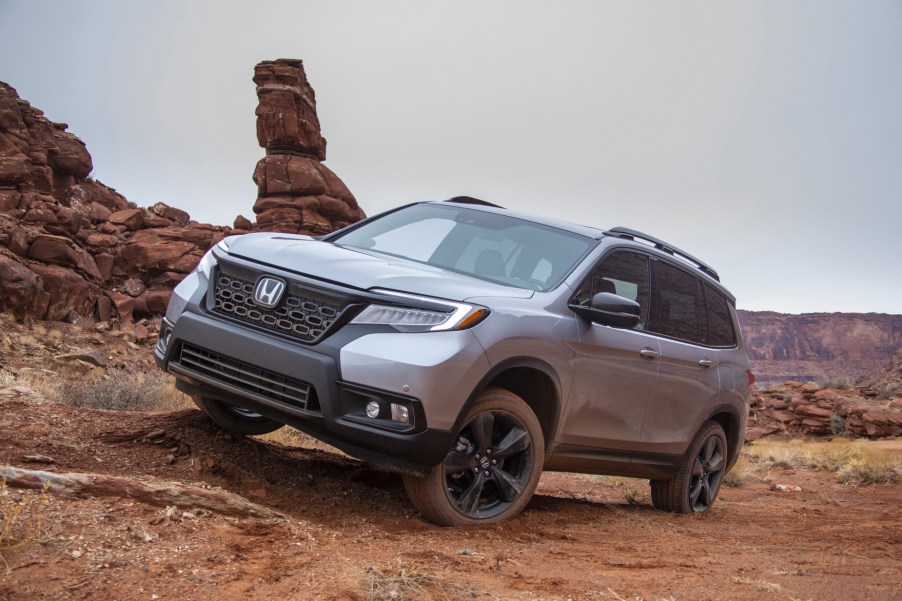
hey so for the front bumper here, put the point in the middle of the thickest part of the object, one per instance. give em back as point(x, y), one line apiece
point(235, 364)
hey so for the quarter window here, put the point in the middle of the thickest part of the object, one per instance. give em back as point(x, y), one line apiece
point(720, 324)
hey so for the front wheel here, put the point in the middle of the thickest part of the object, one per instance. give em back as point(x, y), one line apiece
point(236, 419)
point(492, 470)
point(697, 481)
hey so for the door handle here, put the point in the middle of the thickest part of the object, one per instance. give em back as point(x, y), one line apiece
point(706, 363)
point(648, 353)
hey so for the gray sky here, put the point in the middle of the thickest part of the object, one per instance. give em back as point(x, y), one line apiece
point(763, 137)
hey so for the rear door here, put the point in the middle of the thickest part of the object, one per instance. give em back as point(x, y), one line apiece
point(689, 382)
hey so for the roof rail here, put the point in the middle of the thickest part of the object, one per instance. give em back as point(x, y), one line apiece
point(625, 232)
point(469, 200)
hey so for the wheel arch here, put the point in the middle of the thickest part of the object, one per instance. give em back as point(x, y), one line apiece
point(730, 420)
point(531, 379)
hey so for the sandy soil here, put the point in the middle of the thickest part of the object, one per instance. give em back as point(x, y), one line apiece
point(350, 533)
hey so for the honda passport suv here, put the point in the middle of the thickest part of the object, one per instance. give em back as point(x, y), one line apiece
point(469, 348)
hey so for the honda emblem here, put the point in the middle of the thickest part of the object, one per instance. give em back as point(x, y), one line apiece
point(268, 291)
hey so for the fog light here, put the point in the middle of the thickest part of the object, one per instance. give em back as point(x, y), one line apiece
point(400, 413)
point(372, 409)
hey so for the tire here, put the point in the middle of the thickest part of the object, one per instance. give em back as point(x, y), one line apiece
point(493, 469)
point(236, 419)
point(694, 487)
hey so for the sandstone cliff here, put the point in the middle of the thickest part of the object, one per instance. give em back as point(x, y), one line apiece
point(819, 346)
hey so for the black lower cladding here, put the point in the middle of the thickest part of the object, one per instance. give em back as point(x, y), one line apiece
point(244, 376)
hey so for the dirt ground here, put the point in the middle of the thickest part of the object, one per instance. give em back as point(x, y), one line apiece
point(350, 533)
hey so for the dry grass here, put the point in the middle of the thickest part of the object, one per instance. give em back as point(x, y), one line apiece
point(855, 463)
point(401, 583)
point(21, 520)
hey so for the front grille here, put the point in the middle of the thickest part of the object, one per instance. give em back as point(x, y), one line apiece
point(300, 317)
point(258, 381)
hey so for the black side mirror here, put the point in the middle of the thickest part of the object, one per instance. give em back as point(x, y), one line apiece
point(611, 310)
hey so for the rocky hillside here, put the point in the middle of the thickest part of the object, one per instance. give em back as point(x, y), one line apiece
point(71, 246)
point(889, 377)
point(819, 346)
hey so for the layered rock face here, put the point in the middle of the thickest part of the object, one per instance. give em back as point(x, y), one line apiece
point(71, 246)
point(296, 192)
point(819, 346)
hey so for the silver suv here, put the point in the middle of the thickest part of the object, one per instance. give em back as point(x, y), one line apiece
point(470, 347)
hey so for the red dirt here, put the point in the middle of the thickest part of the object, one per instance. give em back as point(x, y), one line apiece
point(352, 535)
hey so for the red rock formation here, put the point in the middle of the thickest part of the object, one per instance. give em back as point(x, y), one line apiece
point(70, 245)
point(819, 346)
point(809, 409)
point(296, 192)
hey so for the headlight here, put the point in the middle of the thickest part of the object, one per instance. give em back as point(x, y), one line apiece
point(207, 262)
point(447, 316)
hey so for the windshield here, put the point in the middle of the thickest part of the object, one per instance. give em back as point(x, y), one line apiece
point(489, 246)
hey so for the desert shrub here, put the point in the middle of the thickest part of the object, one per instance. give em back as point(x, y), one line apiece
point(837, 424)
point(20, 516)
point(886, 392)
point(735, 478)
point(838, 383)
point(857, 473)
point(854, 466)
point(137, 391)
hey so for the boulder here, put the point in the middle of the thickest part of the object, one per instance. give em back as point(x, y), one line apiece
point(62, 251)
point(21, 290)
point(132, 219)
point(69, 292)
point(69, 156)
point(176, 216)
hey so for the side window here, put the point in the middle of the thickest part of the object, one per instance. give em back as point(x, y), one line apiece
point(623, 273)
point(674, 303)
point(720, 324)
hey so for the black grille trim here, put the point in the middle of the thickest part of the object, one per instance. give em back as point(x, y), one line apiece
point(261, 383)
point(300, 316)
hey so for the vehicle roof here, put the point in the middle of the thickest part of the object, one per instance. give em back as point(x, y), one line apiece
point(625, 235)
point(583, 230)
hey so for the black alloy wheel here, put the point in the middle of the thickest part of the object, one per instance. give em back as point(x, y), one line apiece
point(697, 481)
point(492, 470)
point(490, 466)
point(707, 474)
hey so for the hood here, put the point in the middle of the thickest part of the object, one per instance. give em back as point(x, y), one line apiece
point(358, 269)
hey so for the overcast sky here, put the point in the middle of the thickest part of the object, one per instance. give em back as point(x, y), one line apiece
point(763, 137)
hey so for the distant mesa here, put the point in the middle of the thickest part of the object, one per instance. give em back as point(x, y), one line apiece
point(820, 347)
point(72, 247)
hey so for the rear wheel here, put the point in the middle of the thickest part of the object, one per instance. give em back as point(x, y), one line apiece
point(236, 419)
point(492, 470)
point(697, 481)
